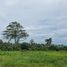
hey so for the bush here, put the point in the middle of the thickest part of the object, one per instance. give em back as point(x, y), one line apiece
point(30, 46)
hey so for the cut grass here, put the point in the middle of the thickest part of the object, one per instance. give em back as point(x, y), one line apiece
point(33, 59)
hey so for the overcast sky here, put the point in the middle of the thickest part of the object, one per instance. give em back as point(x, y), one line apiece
point(41, 18)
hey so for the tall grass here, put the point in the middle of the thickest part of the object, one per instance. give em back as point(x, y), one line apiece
point(33, 59)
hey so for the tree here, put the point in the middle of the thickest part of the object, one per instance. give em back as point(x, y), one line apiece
point(1, 41)
point(15, 31)
point(32, 41)
point(48, 42)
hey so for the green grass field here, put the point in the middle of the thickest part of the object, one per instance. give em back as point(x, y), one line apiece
point(33, 59)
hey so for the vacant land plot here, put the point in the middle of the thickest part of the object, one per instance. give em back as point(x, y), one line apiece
point(33, 59)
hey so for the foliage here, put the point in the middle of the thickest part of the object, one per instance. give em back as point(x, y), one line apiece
point(48, 42)
point(33, 59)
point(30, 46)
point(15, 31)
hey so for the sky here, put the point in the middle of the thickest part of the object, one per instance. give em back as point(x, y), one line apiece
point(42, 19)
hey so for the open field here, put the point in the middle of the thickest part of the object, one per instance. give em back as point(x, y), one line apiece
point(33, 59)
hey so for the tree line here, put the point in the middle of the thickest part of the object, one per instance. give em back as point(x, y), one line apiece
point(15, 32)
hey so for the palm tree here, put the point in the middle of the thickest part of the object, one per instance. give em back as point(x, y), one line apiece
point(15, 31)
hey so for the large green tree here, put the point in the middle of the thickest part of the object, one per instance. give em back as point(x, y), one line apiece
point(15, 31)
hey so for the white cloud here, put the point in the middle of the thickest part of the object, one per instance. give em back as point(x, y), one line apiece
point(41, 18)
point(11, 2)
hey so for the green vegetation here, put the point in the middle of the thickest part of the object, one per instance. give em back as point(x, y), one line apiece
point(29, 54)
point(15, 31)
point(31, 47)
point(33, 59)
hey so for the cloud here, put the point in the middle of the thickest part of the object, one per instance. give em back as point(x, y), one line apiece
point(41, 18)
point(11, 2)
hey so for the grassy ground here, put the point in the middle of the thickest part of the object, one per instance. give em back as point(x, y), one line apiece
point(33, 59)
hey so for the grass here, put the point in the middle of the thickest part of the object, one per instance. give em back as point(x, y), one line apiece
point(33, 59)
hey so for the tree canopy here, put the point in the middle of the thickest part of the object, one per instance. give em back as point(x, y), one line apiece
point(15, 31)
